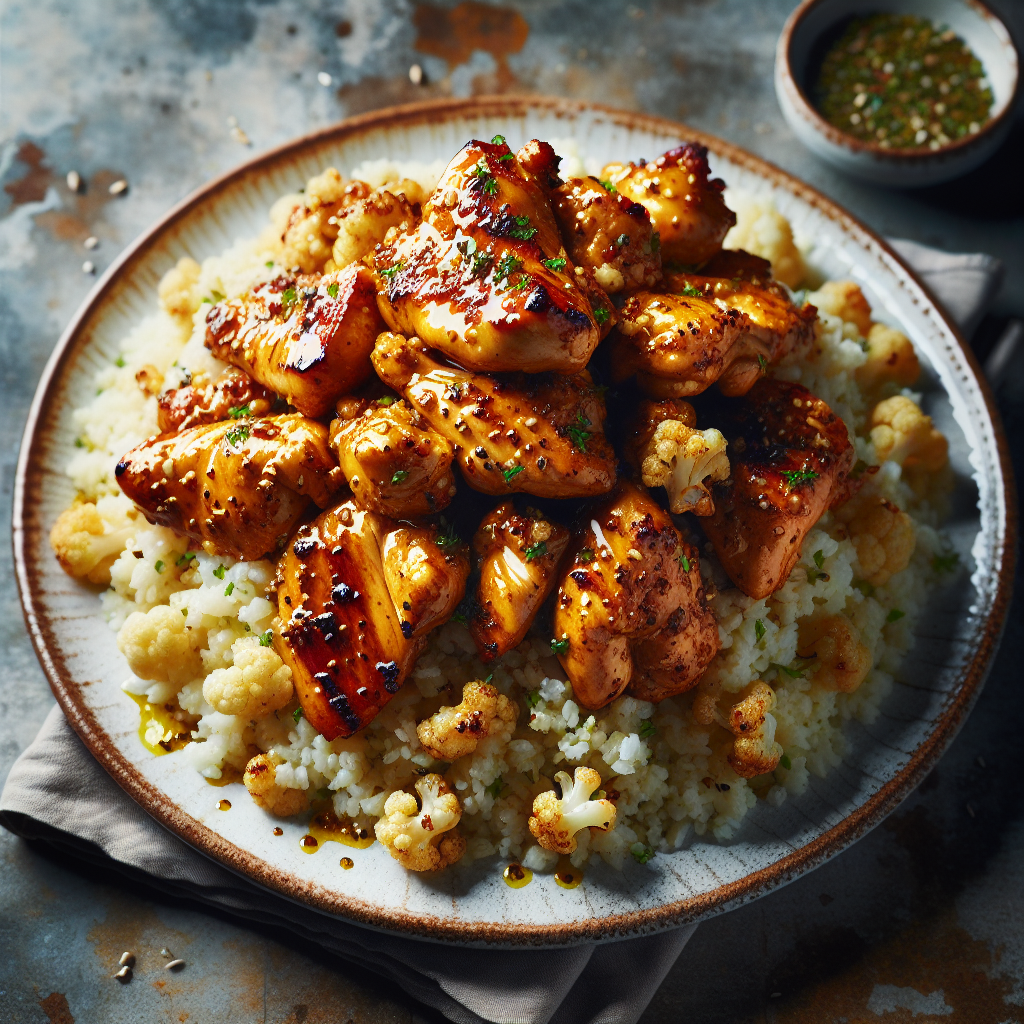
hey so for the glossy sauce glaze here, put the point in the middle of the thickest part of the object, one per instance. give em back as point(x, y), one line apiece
point(160, 732)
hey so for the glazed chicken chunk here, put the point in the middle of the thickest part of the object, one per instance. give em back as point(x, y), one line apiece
point(484, 277)
point(232, 395)
point(539, 434)
point(394, 463)
point(239, 486)
point(357, 596)
point(632, 574)
point(308, 337)
point(791, 457)
point(685, 204)
point(518, 556)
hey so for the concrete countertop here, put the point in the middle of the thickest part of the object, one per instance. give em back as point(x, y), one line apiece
point(919, 921)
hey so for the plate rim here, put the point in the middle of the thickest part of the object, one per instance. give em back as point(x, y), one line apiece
point(27, 527)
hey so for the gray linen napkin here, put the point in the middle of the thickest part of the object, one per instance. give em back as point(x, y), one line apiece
point(57, 793)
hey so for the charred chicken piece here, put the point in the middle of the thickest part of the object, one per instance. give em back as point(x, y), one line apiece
point(308, 337)
point(518, 556)
point(539, 434)
point(631, 572)
point(238, 486)
point(686, 206)
point(607, 233)
point(791, 457)
point(232, 395)
point(484, 278)
point(351, 629)
point(394, 463)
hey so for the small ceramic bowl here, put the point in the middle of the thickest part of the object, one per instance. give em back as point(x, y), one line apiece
point(796, 60)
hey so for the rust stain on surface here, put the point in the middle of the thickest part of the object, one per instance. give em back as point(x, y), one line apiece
point(32, 185)
point(131, 924)
point(453, 34)
point(56, 1008)
point(80, 210)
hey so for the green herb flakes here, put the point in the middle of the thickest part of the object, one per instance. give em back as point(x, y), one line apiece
point(684, 561)
point(793, 673)
point(607, 186)
point(894, 615)
point(399, 476)
point(386, 400)
point(237, 411)
point(184, 559)
point(786, 762)
point(509, 474)
point(536, 550)
point(522, 229)
point(266, 639)
point(692, 293)
point(296, 715)
point(795, 477)
point(560, 646)
point(641, 852)
point(229, 590)
point(759, 630)
point(238, 435)
point(819, 558)
point(447, 538)
point(647, 729)
point(533, 697)
point(332, 289)
point(494, 789)
point(586, 556)
point(219, 571)
point(556, 264)
point(159, 566)
point(389, 272)
point(119, 361)
point(601, 315)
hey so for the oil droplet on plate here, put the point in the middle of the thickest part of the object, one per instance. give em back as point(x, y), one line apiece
point(309, 844)
point(567, 876)
point(516, 876)
point(228, 774)
point(279, 831)
point(159, 731)
point(327, 827)
point(224, 805)
point(347, 863)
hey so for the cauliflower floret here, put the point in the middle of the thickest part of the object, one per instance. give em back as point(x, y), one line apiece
point(260, 780)
point(754, 751)
point(891, 357)
point(845, 300)
point(258, 682)
point(555, 821)
point(179, 290)
point(841, 661)
point(87, 542)
point(682, 459)
point(882, 534)
point(417, 833)
point(158, 645)
point(455, 731)
point(900, 431)
point(763, 231)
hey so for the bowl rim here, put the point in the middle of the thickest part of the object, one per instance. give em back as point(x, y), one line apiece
point(29, 536)
point(906, 155)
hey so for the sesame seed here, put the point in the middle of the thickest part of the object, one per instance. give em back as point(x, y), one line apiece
point(127, 959)
point(74, 180)
point(118, 187)
point(634, 554)
point(239, 136)
point(88, 267)
point(124, 975)
point(91, 242)
point(324, 79)
point(174, 965)
point(416, 74)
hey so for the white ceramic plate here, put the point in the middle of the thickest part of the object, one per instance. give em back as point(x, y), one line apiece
point(472, 904)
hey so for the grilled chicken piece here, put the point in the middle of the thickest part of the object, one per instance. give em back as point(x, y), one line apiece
point(232, 394)
point(630, 572)
point(540, 434)
point(394, 463)
point(608, 234)
point(686, 207)
point(484, 277)
point(308, 338)
point(791, 457)
point(355, 619)
point(518, 557)
point(238, 486)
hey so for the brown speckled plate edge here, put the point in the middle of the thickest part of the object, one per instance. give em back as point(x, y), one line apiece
point(28, 542)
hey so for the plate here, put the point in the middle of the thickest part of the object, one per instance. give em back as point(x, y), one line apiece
point(471, 904)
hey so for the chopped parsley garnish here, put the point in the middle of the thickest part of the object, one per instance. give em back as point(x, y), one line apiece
point(498, 140)
point(399, 476)
point(578, 433)
point(560, 646)
point(296, 715)
point(269, 263)
point(867, 589)
point(502, 159)
point(507, 266)
point(185, 558)
point(522, 228)
point(795, 477)
point(525, 283)
point(793, 673)
point(216, 295)
point(684, 561)
point(386, 400)
point(119, 361)
point(495, 788)
point(266, 639)
point(785, 762)
point(332, 289)
point(895, 615)
point(510, 473)
point(641, 853)
point(819, 558)
point(460, 618)
point(762, 363)
point(159, 566)
point(79, 443)
point(647, 729)
point(237, 411)
point(480, 263)
point(536, 550)
point(483, 172)
point(759, 630)
point(607, 186)
point(601, 315)
point(219, 571)
point(946, 563)
point(288, 297)
point(533, 697)
point(622, 240)
point(558, 263)
point(586, 556)
point(693, 293)
point(237, 435)
point(447, 538)
point(389, 272)
point(229, 589)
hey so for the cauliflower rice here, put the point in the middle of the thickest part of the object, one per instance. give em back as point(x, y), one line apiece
point(671, 774)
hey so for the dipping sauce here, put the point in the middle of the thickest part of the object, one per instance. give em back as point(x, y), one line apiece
point(901, 83)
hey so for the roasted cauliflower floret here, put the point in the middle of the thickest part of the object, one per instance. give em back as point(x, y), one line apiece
point(891, 358)
point(882, 534)
point(417, 832)
point(754, 751)
point(260, 779)
point(87, 542)
point(179, 289)
point(840, 660)
point(902, 432)
point(159, 646)
point(454, 732)
point(763, 231)
point(258, 682)
point(845, 300)
point(684, 460)
point(556, 821)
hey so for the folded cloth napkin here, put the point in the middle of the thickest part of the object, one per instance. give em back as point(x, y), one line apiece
point(57, 793)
